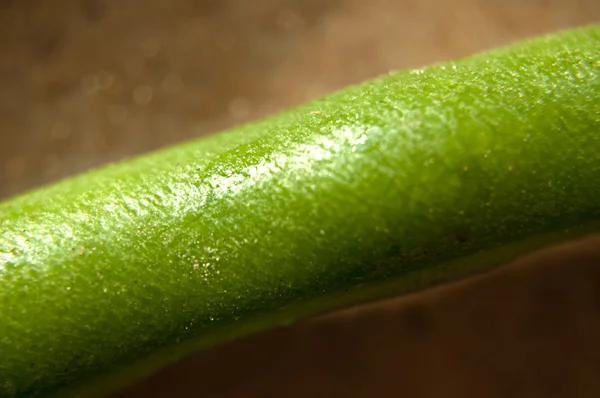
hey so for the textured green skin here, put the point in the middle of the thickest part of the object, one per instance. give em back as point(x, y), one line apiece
point(294, 215)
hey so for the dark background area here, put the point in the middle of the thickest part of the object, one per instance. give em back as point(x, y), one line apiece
point(86, 82)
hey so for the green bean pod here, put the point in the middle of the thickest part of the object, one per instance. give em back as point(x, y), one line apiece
point(414, 178)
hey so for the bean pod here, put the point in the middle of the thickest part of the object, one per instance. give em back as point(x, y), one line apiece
point(414, 178)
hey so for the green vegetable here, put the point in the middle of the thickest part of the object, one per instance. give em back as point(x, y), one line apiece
point(382, 188)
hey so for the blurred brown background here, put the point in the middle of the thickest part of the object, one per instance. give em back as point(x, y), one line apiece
point(85, 82)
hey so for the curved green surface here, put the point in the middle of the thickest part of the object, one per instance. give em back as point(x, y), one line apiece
point(374, 190)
